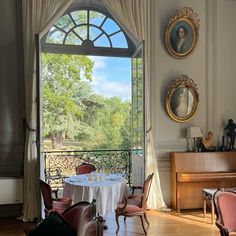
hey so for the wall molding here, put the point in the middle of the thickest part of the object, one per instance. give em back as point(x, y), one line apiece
point(177, 145)
point(211, 69)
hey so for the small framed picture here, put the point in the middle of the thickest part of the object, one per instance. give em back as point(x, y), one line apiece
point(181, 33)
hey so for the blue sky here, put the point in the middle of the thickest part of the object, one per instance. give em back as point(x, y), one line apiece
point(112, 76)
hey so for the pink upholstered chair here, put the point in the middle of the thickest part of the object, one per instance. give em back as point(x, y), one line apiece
point(85, 168)
point(225, 208)
point(50, 203)
point(81, 216)
point(135, 205)
point(79, 219)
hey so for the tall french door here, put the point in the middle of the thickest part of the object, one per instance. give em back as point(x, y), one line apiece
point(137, 117)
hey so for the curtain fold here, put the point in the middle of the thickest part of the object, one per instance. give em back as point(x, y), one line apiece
point(135, 18)
point(38, 17)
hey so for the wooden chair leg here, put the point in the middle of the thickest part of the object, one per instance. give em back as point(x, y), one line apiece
point(145, 217)
point(117, 223)
point(143, 225)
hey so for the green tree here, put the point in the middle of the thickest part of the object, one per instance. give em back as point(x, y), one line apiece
point(65, 80)
point(109, 122)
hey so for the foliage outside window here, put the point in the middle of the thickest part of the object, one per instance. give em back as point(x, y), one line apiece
point(72, 112)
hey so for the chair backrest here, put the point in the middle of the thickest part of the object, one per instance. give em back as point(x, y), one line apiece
point(85, 168)
point(93, 228)
point(47, 194)
point(225, 205)
point(81, 217)
point(146, 189)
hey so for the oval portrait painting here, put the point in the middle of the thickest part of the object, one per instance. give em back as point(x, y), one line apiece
point(181, 102)
point(181, 37)
point(181, 34)
point(182, 99)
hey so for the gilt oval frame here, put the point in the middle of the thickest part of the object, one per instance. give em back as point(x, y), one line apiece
point(182, 99)
point(186, 19)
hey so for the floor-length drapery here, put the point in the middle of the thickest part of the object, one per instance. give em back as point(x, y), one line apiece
point(38, 17)
point(135, 18)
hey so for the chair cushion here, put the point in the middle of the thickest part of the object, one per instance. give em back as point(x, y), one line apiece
point(53, 224)
point(129, 210)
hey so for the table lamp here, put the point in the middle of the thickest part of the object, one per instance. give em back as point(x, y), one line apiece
point(193, 133)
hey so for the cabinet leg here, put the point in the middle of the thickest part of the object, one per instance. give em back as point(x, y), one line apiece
point(204, 208)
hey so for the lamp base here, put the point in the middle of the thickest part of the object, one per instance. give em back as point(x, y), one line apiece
point(195, 145)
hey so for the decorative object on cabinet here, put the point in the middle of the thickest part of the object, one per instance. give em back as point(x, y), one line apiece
point(230, 128)
point(223, 147)
point(194, 133)
point(182, 99)
point(181, 33)
point(208, 143)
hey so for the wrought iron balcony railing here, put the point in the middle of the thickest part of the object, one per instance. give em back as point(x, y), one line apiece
point(61, 164)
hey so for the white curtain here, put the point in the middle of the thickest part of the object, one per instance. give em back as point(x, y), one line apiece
point(135, 18)
point(38, 17)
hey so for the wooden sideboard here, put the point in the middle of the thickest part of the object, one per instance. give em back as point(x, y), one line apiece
point(193, 171)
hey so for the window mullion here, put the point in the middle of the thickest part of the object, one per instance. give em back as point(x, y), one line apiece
point(72, 19)
point(78, 35)
point(88, 16)
point(118, 31)
point(103, 22)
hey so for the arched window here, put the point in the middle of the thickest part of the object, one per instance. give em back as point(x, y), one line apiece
point(87, 32)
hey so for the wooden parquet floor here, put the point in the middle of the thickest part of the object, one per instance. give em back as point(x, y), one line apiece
point(161, 224)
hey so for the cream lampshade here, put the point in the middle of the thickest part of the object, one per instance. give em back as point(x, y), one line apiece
point(193, 133)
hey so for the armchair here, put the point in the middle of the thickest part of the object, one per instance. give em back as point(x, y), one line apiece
point(135, 205)
point(81, 216)
point(85, 168)
point(77, 220)
point(225, 208)
point(50, 203)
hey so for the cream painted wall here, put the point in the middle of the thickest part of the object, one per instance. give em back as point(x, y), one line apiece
point(211, 66)
point(225, 63)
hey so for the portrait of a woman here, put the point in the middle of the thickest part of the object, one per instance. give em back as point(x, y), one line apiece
point(181, 38)
point(181, 33)
point(181, 102)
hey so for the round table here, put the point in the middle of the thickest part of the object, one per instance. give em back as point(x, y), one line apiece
point(108, 190)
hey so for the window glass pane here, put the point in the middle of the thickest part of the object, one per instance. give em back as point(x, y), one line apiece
point(140, 86)
point(82, 31)
point(137, 105)
point(80, 17)
point(102, 42)
point(96, 18)
point(55, 36)
point(65, 23)
point(110, 26)
point(134, 89)
point(119, 41)
point(94, 32)
point(72, 39)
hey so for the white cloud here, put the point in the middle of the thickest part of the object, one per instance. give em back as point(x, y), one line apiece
point(99, 62)
point(108, 86)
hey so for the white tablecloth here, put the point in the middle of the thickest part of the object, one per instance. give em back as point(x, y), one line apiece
point(108, 190)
